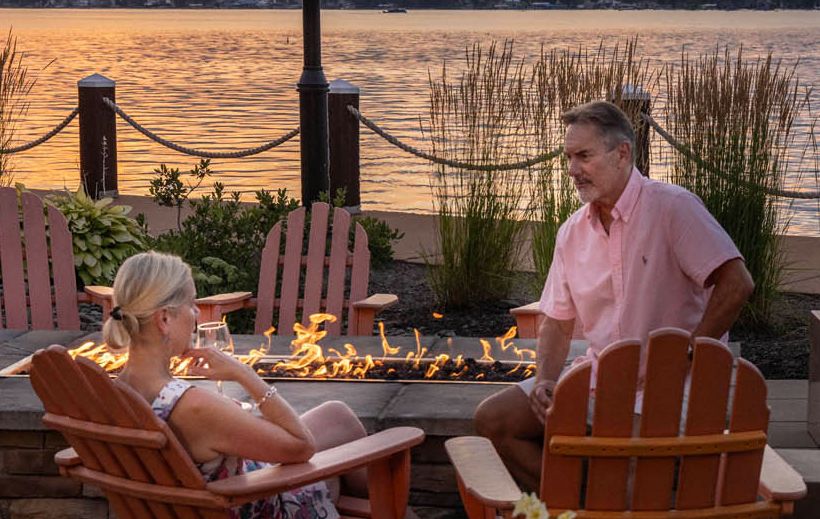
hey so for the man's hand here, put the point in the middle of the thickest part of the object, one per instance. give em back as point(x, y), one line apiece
point(541, 398)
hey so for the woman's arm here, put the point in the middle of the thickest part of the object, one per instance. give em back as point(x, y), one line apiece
point(211, 424)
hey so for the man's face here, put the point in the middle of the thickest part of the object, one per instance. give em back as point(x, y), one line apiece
point(599, 173)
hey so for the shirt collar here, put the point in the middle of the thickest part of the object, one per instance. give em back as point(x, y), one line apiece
point(625, 205)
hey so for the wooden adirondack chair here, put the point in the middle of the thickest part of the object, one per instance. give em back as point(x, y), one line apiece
point(37, 266)
point(656, 471)
point(119, 445)
point(335, 279)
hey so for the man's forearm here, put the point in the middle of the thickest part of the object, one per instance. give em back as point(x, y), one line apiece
point(732, 287)
point(552, 348)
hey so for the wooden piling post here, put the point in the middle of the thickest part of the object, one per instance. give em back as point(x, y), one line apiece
point(98, 136)
point(344, 143)
point(636, 100)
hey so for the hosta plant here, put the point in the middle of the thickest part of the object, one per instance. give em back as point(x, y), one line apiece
point(103, 234)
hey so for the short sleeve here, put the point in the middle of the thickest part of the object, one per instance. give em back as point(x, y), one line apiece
point(699, 242)
point(556, 298)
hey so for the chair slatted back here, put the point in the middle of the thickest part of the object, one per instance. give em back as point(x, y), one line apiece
point(124, 448)
point(651, 465)
point(37, 266)
point(328, 278)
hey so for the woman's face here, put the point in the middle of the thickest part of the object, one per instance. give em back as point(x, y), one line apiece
point(183, 321)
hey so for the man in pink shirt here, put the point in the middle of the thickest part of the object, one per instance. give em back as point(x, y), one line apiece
point(639, 255)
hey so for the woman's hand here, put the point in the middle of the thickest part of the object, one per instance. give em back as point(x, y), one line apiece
point(214, 365)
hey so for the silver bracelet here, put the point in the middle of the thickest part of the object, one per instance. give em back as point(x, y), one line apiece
point(267, 396)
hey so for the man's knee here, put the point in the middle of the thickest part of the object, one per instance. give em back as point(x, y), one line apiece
point(495, 416)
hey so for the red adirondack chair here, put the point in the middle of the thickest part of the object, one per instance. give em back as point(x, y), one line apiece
point(335, 279)
point(655, 471)
point(120, 446)
point(37, 267)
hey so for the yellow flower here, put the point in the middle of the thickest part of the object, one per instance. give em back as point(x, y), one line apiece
point(530, 507)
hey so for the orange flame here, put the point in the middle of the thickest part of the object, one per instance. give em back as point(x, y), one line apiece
point(308, 359)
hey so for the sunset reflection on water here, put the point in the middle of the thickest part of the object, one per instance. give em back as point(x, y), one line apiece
point(225, 80)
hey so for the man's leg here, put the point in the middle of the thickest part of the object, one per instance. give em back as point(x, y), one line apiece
point(506, 419)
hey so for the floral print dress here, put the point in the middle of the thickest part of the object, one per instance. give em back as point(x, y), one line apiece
point(309, 502)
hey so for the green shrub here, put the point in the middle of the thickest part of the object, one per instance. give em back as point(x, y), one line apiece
point(380, 238)
point(167, 188)
point(102, 233)
point(222, 228)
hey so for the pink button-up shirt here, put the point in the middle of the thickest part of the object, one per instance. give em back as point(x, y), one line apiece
point(649, 272)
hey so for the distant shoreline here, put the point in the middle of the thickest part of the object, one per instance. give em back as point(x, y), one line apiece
point(410, 9)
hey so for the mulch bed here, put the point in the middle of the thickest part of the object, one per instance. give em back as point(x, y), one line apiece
point(780, 353)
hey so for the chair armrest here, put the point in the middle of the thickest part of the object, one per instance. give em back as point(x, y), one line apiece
point(67, 458)
point(325, 464)
point(530, 309)
point(212, 308)
point(377, 302)
point(482, 473)
point(778, 480)
point(224, 299)
point(99, 295)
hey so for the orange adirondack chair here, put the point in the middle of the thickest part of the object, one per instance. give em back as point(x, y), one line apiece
point(656, 471)
point(335, 279)
point(119, 445)
point(39, 284)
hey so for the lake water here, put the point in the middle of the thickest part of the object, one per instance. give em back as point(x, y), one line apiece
point(225, 79)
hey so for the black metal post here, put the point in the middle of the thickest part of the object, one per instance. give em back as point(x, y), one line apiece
point(313, 88)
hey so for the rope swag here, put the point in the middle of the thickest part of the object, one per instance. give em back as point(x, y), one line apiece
point(199, 153)
point(688, 153)
point(57, 129)
point(449, 162)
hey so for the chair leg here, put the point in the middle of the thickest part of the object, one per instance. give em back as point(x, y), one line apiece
point(388, 485)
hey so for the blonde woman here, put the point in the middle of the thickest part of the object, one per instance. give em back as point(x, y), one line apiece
point(154, 318)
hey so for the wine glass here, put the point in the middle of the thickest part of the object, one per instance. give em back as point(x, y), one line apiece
point(215, 335)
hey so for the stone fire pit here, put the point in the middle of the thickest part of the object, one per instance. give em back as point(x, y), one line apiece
point(28, 477)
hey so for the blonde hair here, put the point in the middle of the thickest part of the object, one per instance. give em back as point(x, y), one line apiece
point(145, 283)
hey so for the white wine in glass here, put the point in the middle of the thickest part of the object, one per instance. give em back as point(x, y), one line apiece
point(215, 335)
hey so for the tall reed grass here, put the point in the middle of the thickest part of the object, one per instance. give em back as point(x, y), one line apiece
point(738, 116)
point(478, 118)
point(15, 85)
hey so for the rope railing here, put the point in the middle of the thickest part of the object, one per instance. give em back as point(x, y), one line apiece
point(450, 162)
point(688, 153)
point(36, 142)
point(195, 152)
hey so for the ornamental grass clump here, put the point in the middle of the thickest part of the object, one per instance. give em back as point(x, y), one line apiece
point(561, 80)
point(735, 120)
point(478, 119)
point(15, 86)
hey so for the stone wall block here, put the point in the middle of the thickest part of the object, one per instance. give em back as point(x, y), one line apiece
point(21, 439)
point(433, 478)
point(58, 509)
point(29, 462)
point(38, 486)
point(55, 440)
point(434, 499)
point(431, 451)
point(92, 491)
